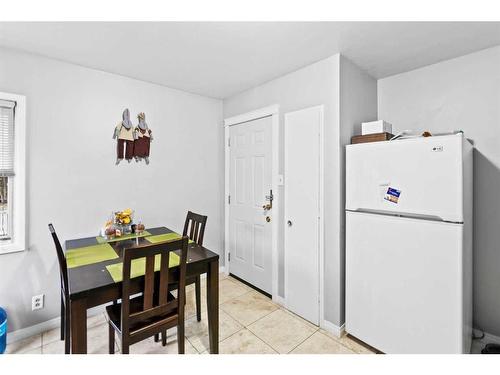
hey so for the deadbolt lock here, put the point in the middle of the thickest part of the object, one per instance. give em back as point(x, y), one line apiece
point(267, 207)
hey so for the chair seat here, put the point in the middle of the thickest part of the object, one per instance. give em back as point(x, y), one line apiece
point(136, 305)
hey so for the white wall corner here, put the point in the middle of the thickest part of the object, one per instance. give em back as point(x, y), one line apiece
point(279, 300)
point(332, 328)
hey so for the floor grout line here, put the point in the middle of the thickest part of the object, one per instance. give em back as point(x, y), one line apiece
point(300, 343)
point(246, 326)
point(253, 335)
point(264, 342)
point(231, 335)
point(338, 341)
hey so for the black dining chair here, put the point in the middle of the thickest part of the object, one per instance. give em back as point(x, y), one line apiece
point(156, 310)
point(194, 228)
point(63, 271)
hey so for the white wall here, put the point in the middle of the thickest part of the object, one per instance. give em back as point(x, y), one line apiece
point(313, 85)
point(462, 93)
point(72, 179)
point(349, 97)
point(358, 103)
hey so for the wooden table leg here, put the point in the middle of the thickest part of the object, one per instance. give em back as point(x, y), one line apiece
point(213, 306)
point(78, 326)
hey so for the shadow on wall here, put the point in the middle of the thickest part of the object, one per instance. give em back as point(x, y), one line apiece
point(486, 244)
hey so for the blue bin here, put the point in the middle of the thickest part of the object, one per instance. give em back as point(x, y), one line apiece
point(3, 330)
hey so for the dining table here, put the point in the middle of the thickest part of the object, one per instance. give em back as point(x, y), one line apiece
point(92, 284)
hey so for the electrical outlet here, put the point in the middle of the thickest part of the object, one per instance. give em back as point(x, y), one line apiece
point(37, 302)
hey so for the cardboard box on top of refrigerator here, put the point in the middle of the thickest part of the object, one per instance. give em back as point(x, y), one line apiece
point(375, 127)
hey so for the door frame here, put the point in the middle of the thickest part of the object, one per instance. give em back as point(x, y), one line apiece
point(272, 111)
point(321, 232)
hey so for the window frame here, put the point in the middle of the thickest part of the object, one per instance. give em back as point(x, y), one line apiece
point(18, 193)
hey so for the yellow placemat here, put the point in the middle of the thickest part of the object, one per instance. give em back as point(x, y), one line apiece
point(138, 267)
point(90, 254)
point(101, 239)
point(165, 237)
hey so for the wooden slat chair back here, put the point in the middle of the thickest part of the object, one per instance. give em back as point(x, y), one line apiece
point(194, 227)
point(159, 310)
point(65, 308)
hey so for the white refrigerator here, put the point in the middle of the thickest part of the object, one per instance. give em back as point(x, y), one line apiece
point(409, 244)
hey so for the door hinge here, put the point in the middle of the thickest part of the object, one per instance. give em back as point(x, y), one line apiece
point(229, 142)
point(228, 257)
point(228, 199)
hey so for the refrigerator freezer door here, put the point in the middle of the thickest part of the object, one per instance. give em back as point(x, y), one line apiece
point(404, 284)
point(414, 177)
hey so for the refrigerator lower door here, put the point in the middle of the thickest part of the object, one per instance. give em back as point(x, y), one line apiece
point(404, 284)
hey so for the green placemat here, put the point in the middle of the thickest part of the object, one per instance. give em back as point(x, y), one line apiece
point(165, 237)
point(101, 239)
point(89, 255)
point(138, 267)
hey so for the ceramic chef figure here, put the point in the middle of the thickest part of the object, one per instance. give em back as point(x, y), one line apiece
point(124, 133)
point(143, 137)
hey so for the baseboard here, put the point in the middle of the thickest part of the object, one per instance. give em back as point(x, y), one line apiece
point(279, 300)
point(36, 329)
point(332, 328)
point(33, 330)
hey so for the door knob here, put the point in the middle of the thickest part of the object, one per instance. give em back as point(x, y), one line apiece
point(289, 222)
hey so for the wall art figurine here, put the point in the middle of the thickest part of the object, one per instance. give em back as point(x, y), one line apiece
point(143, 137)
point(124, 133)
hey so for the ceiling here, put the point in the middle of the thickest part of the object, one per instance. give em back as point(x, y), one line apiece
point(219, 59)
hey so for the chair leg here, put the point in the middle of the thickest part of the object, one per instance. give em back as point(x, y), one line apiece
point(164, 338)
point(198, 298)
point(180, 338)
point(111, 339)
point(67, 330)
point(63, 312)
point(125, 347)
point(157, 337)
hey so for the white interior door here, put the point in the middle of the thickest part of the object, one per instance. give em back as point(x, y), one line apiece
point(250, 234)
point(302, 211)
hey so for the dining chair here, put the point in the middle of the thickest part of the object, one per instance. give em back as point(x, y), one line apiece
point(194, 228)
point(156, 310)
point(65, 308)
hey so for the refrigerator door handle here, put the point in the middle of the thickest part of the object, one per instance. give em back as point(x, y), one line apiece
point(404, 215)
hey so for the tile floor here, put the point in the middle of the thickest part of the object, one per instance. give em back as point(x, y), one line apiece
point(249, 323)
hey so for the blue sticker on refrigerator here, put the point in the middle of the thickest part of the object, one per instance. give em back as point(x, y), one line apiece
point(392, 195)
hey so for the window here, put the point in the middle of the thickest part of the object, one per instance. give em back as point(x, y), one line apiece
point(12, 173)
